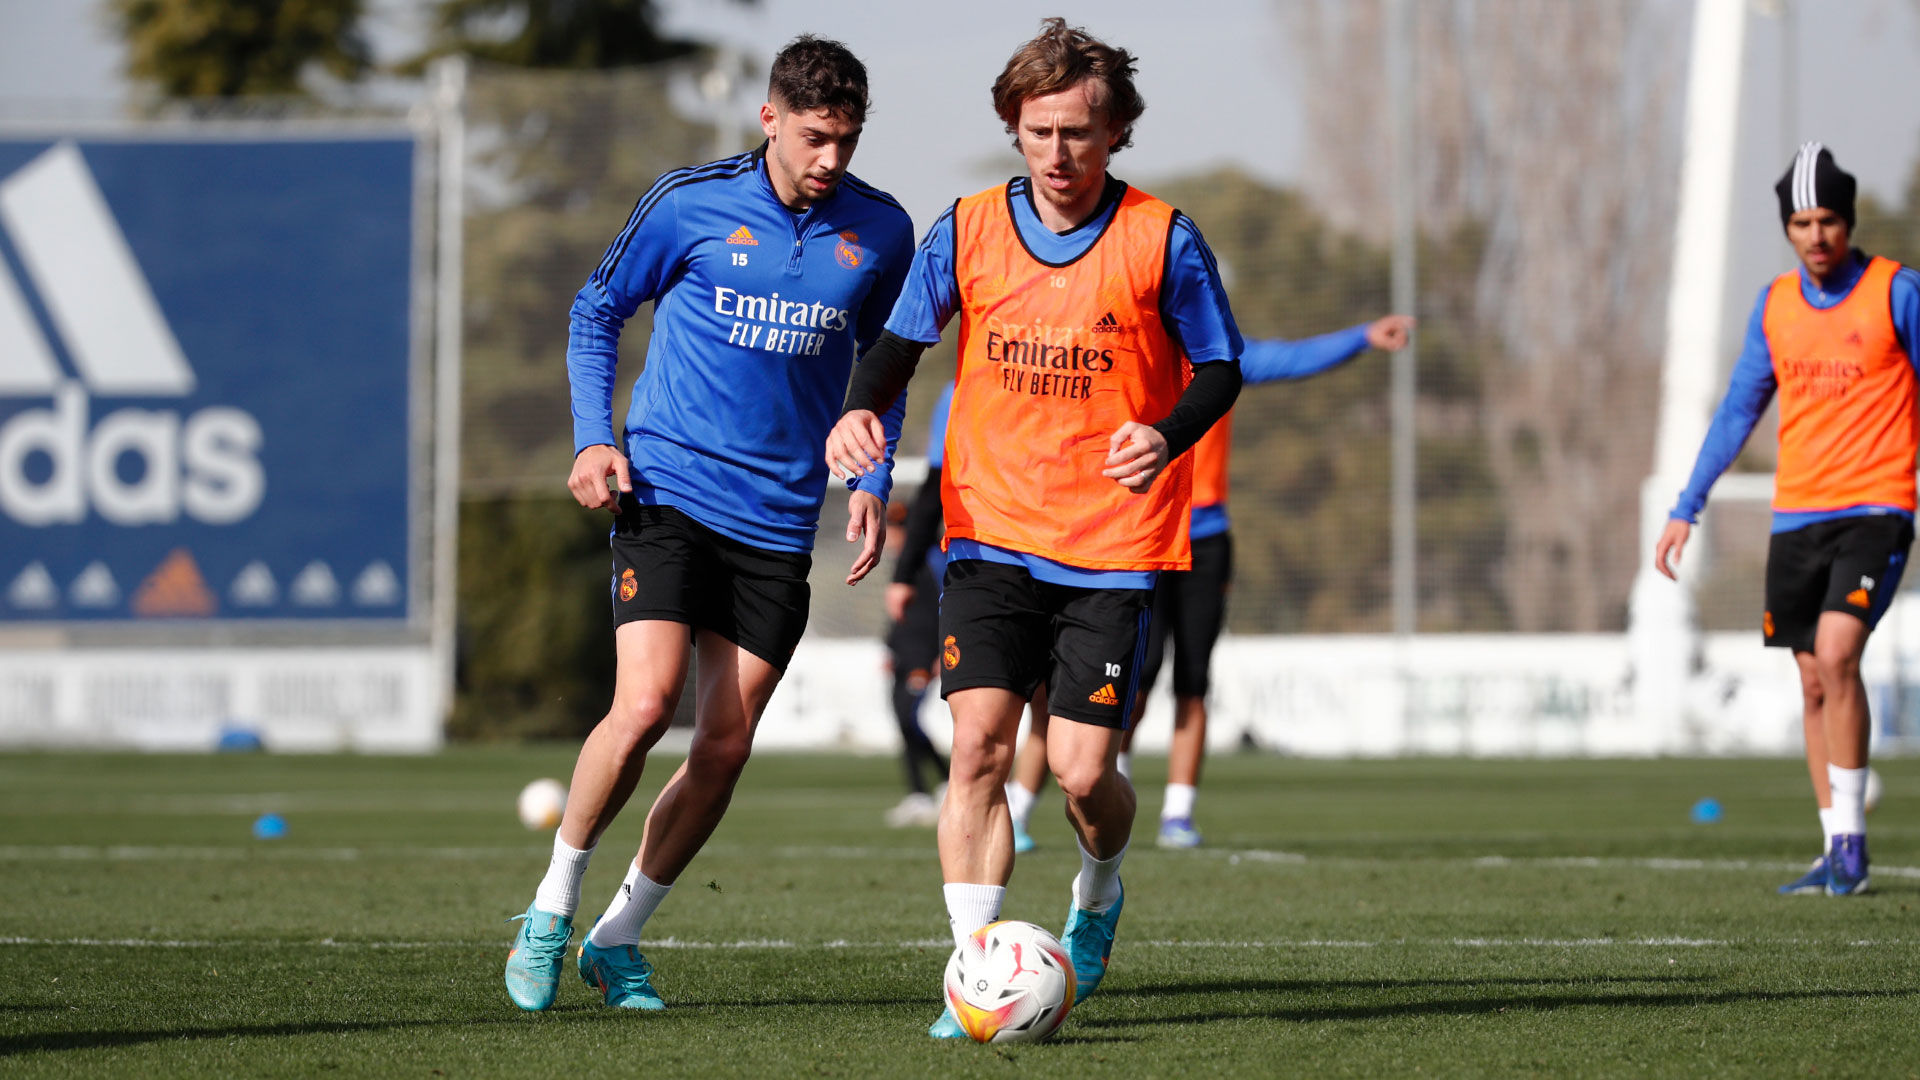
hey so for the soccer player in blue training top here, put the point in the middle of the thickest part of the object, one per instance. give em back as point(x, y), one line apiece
point(1096, 346)
point(1836, 339)
point(767, 271)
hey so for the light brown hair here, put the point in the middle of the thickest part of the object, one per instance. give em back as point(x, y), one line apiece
point(1057, 59)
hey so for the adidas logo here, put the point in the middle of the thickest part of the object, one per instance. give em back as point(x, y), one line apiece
point(80, 262)
point(1859, 598)
point(174, 588)
point(742, 236)
point(1107, 325)
point(98, 304)
point(1853, 337)
point(1104, 696)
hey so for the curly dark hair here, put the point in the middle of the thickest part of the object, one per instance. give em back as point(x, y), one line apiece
point(815, 73)
point(1058, 58)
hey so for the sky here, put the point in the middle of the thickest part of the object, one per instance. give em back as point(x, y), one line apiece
point(1220, 85)
point(1215, 93)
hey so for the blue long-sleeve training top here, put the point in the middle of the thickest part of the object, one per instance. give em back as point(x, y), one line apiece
point(1752, 387)
point(1272, 359)
point(759, 312)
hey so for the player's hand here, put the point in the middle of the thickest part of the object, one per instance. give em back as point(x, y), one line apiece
point(866, 519)
point(1135, 455)
point(1673, 541)
point(1390, 332)
point(899, 595)
point(857, 445)
point(588, 481)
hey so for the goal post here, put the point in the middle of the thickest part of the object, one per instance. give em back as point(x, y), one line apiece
point(1663, 628)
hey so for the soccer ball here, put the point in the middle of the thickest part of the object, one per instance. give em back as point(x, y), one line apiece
point(1010, 982)
point(541, 804)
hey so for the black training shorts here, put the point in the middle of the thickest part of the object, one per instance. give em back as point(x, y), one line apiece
point(668, 566)
point(1190, 606)
point(1000, 627)
point(1849, 564)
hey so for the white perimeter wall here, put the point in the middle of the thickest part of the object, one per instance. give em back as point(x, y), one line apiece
point(1347, 695)
point(376, 700)
point(1500, 695)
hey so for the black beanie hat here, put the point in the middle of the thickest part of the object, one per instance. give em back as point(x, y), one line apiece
point(1813, 180)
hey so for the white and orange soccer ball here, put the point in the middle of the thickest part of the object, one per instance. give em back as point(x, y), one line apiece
point(541, 804)
point(1010, 982)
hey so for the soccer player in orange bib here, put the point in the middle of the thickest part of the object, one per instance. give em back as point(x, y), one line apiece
point(1835, 338)
point(1096, 346)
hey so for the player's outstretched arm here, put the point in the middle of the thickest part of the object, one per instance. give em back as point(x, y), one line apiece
point(866, 523)
point(588, 481)
point(1673, 541)
point(1390, 332)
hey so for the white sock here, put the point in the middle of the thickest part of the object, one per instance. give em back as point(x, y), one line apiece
point(1178, 801)
point(1020, 802)
point(970, 907)
point(1826, 830)
point(1124, 764)
point(1849, 799)
point(1097, 885)
point(559, 891)
point(632, 906)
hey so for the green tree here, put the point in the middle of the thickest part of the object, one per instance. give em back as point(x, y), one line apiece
point(572, 120)
point(238, 48)
point(552, 33)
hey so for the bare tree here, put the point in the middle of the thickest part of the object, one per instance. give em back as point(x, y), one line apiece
point(1555, 127)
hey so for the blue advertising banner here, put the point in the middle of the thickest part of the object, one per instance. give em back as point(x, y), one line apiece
point(205, 379)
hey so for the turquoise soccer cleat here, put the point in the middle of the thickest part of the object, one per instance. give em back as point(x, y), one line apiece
point(1089, 941)
point(533, 965)
point(621, 974)
point(1022, 840)
point(947, 1027)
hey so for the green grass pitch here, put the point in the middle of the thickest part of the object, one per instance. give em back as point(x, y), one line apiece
point(1392, 918)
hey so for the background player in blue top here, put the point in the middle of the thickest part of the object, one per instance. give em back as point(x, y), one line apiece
point(767, 271)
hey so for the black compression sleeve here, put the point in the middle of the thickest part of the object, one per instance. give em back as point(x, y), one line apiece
point(1207, 398)
point(923, 530)
point(883, 373)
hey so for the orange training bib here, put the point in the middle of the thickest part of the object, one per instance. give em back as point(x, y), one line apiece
point(1210, 456)
point(1848, 424)
point(1053, 359)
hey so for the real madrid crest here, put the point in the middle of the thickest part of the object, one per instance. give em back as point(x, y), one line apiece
point(847, 252)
